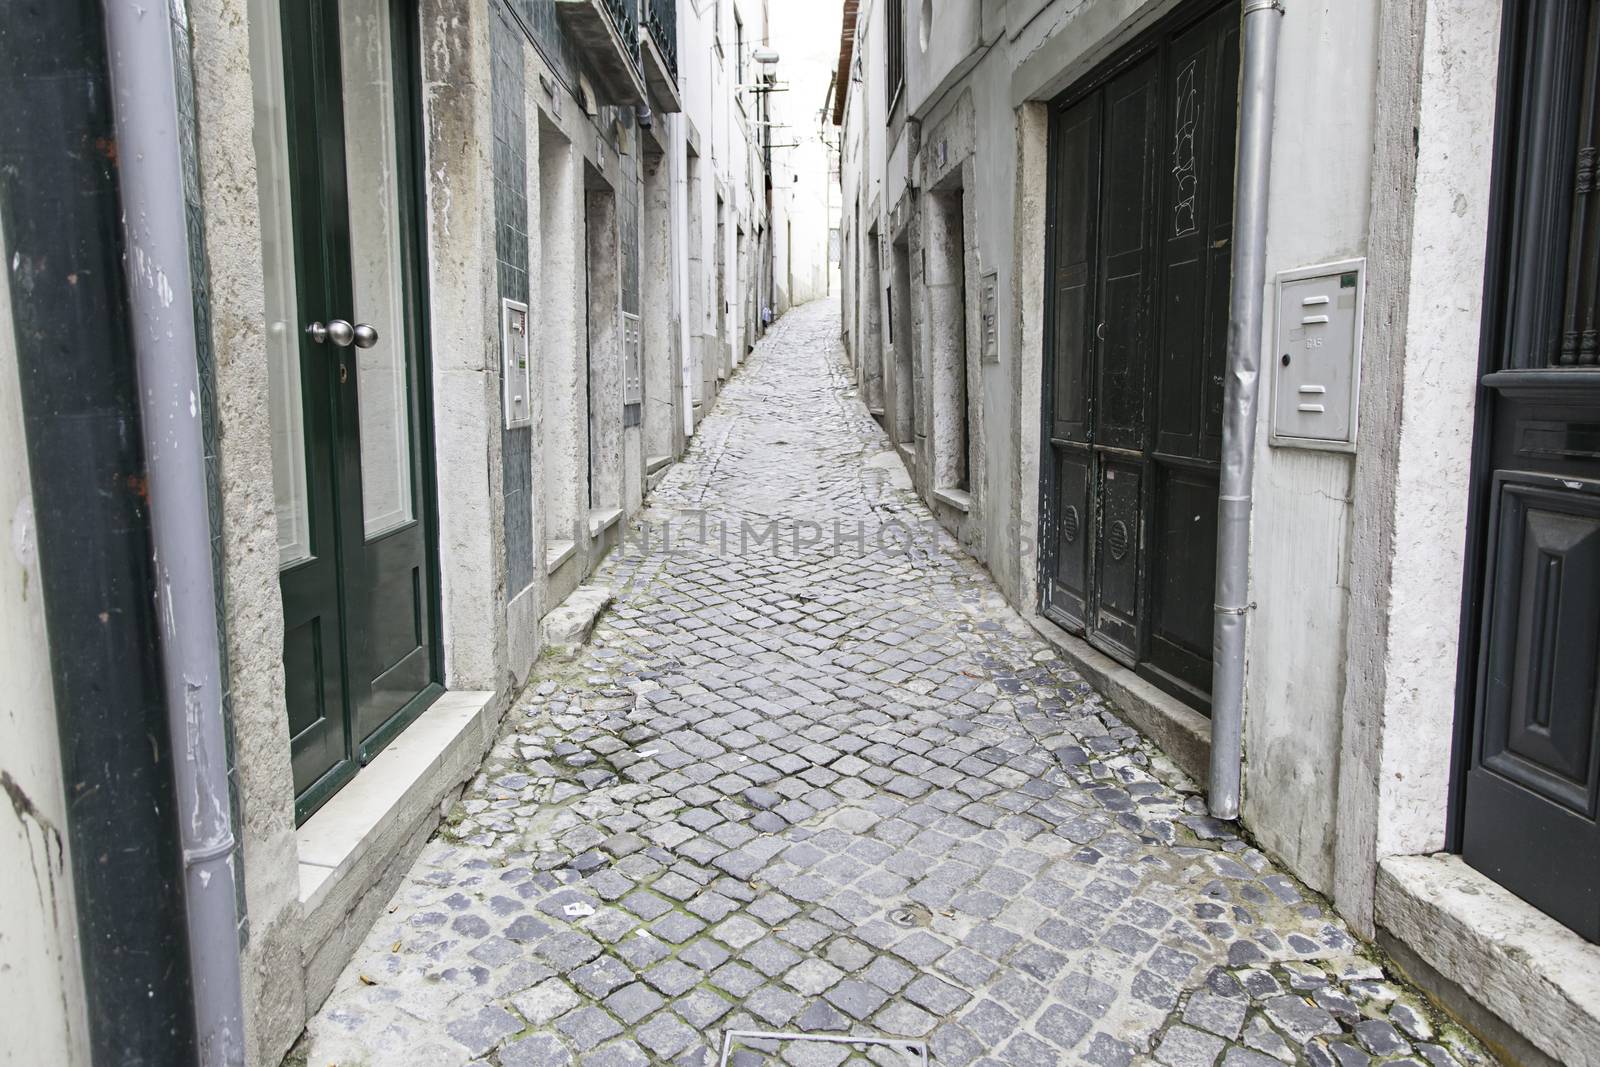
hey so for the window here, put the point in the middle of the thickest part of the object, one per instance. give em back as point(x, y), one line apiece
point(895, 53)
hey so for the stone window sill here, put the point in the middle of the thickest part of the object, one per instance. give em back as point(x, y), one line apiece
point(558, 552)
point(602, 519)
point(954, 498)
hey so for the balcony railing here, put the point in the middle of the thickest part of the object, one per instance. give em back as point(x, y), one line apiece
point(661, 20)
point(626, 17)
point(606, 34)
point(659, 45)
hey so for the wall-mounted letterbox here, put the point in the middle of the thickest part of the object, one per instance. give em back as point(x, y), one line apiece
point(516, 376)
point(1316, 366)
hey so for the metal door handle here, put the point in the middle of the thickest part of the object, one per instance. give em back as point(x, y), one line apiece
point(338, 331)
point(1100, 332)
point(366, 336)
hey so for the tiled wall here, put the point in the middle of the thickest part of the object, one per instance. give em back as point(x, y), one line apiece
point(507, 91)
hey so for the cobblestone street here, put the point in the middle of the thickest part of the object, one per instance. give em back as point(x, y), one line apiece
point(821, 778)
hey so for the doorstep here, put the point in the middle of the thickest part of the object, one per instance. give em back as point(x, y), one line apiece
point(1177, 729)
point(1529, 979)
point(367, 830)
point(655, 463)
point(954, 498)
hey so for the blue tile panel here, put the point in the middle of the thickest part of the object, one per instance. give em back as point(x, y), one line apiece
point(507, 94)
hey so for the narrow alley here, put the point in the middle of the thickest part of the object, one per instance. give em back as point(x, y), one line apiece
point(812, 774)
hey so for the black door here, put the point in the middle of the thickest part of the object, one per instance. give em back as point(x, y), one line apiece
point(1141, 220)
point(1528, 755)
point(360, 655)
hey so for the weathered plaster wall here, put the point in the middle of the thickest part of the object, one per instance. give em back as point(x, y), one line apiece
point(1023, 357)
point(563, 436)
point(1430, 211)
point(458, 136)
point(1322, 138)
point(41, 976)
point(659, 323)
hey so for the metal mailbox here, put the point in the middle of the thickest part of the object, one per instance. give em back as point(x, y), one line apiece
point(1316, 366)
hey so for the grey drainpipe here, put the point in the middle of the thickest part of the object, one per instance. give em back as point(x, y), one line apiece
point(143, 43)
point(1261, 26)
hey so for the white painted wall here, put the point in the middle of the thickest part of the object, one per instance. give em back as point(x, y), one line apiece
point(1322, 144)
point(41, 981)
point(726, 133)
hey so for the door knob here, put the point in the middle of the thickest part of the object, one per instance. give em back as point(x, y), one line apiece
point(366, 336)
point(338, 331)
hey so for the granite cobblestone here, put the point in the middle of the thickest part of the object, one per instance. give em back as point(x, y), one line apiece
point(813, 773)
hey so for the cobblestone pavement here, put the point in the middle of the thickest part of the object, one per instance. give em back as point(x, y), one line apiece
point(793, 785)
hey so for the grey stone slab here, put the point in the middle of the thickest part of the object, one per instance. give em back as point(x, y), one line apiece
point(483, 1029)
point(536, 1050)
point(545, 1001)
point(1184, 1046)
point(587, 1027)
point(633, 1002)
point(701, 1008)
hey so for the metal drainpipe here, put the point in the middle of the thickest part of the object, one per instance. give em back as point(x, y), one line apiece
point(80, 410)
point(1260, 62)
point(143, 45)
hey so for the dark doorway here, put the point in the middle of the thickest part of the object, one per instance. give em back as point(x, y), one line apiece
point(1528, 749)
point(1140, 229)
point(352, 460)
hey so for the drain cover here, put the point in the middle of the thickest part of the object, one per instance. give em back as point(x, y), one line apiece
point(756, 1048)
point(912, 916)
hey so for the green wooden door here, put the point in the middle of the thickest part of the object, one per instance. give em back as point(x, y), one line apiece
point(357, 561)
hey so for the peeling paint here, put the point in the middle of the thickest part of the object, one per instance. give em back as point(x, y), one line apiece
point(24, 545)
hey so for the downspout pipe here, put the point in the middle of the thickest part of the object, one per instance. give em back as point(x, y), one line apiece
point(148, 49)
point(79, 396)
point(1262, 22)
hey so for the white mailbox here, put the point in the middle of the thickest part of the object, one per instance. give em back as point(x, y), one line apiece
point(1316, 366)
point(516, 377)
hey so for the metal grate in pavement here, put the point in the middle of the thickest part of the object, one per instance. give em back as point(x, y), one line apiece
point(748, 1048)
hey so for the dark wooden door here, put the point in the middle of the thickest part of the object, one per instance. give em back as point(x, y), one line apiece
point(1140, 230)
point(360, 655)
point(1528, 759)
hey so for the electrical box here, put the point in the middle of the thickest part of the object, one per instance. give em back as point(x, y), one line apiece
point(989, 312)
point(516, 376)
point(632, 360)
point(1316, 366)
